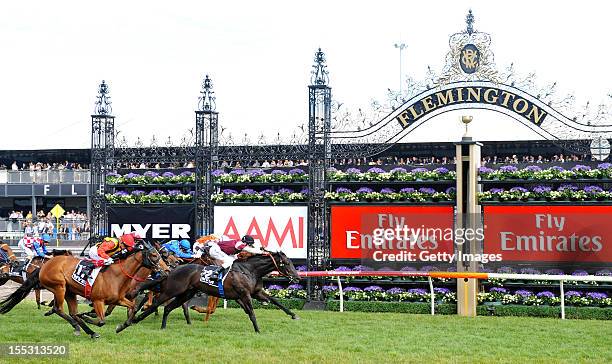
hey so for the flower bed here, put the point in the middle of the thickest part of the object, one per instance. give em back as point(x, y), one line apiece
point(150, 178)
point(396, 174)
point(424, 194)
point(267, 195)
point(155, 196)
point(603, 170)
point(565, 192)
point(258, 175)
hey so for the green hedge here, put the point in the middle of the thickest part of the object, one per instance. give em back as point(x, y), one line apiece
point(292, 304)
point(585, 313)
point(400, 307)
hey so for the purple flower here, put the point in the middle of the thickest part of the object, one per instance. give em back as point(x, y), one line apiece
point(351, 289)
point(174, 193)
point(138, 193)
point(398, 170)
point(554, 272)
point(285, 190)
point(373, 289)
point(427, 190)
point(567, 187)
point(496, 190)
point(441, 170)
point(343, 268)
point(168, 174)
point(603, 272)
point(191, 193)
point(387, 190)
point(121, 193)
point(557, 168)
point(296, 287)
point(408, 269)
point(596, 295)
point(305, 190)
point(518, 189)
point(328, 289)
point(248, 191)
point(186, 174)
point(419, 170)
point(278, 172)
point(506, 270)
point(442, 290)
point(580, 272)
point(274, 287)
point(451, 190)
point(485, 170)
point(229, 191)
point(501, 290)
point(573, 294)
point(541, 189)
point(533, 168)
point(113, 174)
point(429, 268)
point(593, 189)
point(508, 169)
point(419, 291)
point(604, 166)
point(395, 290)
point(237, 172)
point(156, 193)
point(523, 293)
point(352, 171)
point(580, 167)
point(301, 268)
point(530, 271)
point(545, 294)
point(296, 171)
point(365, 190)
point(407, 190)
point(376, 170)
point(131, 175)
point(362, 268)
point(267, 192)
point(343, 190)
point(256, 172)
point(151, 174)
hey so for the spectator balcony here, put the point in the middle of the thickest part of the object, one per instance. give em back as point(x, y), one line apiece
point(45, 177)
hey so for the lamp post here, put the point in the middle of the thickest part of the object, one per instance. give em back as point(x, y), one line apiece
point(401, 47)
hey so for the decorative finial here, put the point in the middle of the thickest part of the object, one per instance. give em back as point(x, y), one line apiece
point(469, 20)
point(103, 104)
point(207, 100)
point(319, 74)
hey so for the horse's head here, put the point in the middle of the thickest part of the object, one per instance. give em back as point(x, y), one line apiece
point(151, 258)
point(284, 266)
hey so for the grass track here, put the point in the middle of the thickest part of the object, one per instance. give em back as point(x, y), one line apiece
point(320, 337)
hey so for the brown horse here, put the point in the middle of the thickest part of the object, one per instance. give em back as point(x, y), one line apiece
point(110, 287)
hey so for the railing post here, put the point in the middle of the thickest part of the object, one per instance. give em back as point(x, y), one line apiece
point(341, 294)
point(562, 300)
point(433, 296)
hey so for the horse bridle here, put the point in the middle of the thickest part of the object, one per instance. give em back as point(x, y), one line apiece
point(279, 266)
point(146, 262)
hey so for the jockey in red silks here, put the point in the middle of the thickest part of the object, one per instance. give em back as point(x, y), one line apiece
point(110, 246)
point(226, 250)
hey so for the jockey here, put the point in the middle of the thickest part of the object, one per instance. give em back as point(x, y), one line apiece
point(227, 250)
point(40, 247)
point(181, 249)
point(202, 242)
point(110, 246)
point(5, 255)
point(33, 247)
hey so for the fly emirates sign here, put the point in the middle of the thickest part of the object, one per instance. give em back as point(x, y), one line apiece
point(276, 227)
point(549, 233)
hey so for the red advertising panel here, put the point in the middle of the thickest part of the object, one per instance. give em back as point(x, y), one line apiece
point(400, 233)
point(549, 233)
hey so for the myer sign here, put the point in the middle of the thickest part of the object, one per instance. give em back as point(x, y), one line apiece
point(155, 222)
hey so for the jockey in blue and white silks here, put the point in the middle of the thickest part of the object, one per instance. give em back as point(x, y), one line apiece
point(181, 249)
point(33, 247)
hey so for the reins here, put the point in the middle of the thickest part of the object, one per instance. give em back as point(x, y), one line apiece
point(137, 279)
point(276, 265)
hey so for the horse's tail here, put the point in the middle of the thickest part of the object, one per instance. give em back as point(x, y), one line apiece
point(22, 292)
point(145, 286)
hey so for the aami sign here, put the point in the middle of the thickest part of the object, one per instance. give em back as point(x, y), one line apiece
point(276, 227)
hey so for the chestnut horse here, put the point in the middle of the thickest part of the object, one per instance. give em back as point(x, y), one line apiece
point(243, 282)
point(110, 287)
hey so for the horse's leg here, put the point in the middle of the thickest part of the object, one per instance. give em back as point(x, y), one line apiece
point(73, 309)
point(211, 307)
point(263, 296)
point(186, 313)
point(149, 300)
point(161, 299)
point(99, 314)
point(58, 308)
point(37, 294)
point(176, 302)
point(247, 306)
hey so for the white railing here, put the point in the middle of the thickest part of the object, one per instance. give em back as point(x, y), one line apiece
point(53, 176)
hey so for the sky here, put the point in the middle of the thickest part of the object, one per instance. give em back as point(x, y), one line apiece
point(154, 55)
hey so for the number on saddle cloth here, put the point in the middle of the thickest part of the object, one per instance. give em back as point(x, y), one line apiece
point(210, 275)
point(82, 271)
point(18, 267)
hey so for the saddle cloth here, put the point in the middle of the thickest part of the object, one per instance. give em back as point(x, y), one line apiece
point(85, 273)
point(20, 269)
point(210, 275)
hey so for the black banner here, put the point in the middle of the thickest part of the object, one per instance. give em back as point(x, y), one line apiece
point(154, 222)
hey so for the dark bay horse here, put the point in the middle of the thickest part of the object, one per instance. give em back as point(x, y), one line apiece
point(243, 282)
point(110, 287)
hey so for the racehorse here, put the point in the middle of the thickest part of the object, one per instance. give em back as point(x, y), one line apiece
point(243, 282)
point(8, 259)
point(30, 268)
point(110, 287)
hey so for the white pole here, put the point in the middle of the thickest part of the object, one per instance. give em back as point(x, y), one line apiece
point(562, 301)
point(433, 296)
point(224, 303)
point(341, 294)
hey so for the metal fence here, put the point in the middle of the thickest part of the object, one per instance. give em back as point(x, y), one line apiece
point(48, 176)
point(69, 229)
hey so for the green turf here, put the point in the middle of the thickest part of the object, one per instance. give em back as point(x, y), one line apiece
point(320, 337)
